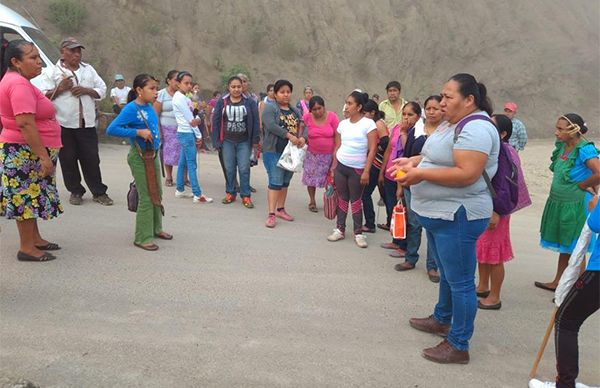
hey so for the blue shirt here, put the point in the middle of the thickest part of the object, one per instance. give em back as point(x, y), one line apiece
point(580, 170)
point(130, 120)
point(594, 224)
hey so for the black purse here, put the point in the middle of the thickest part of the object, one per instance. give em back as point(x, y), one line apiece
point(132, 198)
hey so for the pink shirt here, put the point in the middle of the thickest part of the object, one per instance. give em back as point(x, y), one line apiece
point(19, 96)
point(321, 137)
point(396, 150)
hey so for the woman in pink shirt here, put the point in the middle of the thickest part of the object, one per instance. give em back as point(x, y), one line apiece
point(321, 126)
point(29, 145)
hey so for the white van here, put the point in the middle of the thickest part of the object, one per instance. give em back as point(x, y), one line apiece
point(14, 26)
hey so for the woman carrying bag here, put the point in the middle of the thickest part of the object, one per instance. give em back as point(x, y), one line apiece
point(138, 122)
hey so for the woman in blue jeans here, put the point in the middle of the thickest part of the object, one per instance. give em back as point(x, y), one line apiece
point(190, 138)
point(235, 133)
point(453, 204)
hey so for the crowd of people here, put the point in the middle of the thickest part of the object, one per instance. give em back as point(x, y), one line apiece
point(439, 159)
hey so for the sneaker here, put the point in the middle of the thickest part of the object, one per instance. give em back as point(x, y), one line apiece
point(247, 202)
point(76, 199)
point(284, 215)
point(183, 194)
point(103, 200)
point(336, 235)
point(271, 221)
point(229, 198)
point(535, 383)
point(202, 199)
point(361, 240)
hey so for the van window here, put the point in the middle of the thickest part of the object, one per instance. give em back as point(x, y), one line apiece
point(42, 41)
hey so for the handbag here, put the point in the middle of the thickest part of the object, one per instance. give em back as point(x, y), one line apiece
point(398, 222)
point(330, 199)
point(132, 197)
point(292, 158)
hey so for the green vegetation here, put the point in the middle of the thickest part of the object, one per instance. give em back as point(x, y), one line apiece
point(67, 15)
point(230, 72)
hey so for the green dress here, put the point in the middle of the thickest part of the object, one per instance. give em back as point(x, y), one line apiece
point(565, 211)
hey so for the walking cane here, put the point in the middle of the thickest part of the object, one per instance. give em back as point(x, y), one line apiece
point(543, 345)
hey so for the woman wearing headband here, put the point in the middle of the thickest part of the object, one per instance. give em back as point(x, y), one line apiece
point(576, 170)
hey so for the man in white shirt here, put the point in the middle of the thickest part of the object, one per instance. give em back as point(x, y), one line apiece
point(74, 87)
point(119, 93)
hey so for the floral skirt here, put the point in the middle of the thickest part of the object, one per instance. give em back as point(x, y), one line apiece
point(24, 193)
point(316, 168)
point(171, 146)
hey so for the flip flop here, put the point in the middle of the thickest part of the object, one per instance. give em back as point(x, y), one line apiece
point(169, 182)
point(543, 286)
point(312, 207)
point(48, 247)
point(22, 256)
point(483, 294)
point(147, 247)
point(482, 306)
point(383, 226)
point(164, 236)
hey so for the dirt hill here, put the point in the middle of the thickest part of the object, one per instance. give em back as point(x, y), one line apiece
point(542, 54)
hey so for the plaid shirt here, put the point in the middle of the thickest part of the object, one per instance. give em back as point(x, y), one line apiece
point(518, 139)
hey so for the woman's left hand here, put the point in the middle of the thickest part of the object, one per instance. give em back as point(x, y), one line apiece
point(412, 176)
point(494, 219)
point(364, 178)
point(301, 142)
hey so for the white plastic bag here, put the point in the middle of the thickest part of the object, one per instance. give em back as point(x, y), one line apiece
point(292, 158)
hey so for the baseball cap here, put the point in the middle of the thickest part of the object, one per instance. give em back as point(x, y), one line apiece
point(511, 106)
point(119, 77)
point(70, 43)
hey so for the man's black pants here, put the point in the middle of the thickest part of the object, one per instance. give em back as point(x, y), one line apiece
point(80, 145)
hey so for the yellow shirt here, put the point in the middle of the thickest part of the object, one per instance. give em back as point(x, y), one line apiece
point(391, 116)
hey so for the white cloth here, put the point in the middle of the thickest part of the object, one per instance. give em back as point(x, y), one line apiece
point(573, 270)
point(182, 108)
point(355, 144)
point(121, 94)
point(67, 105)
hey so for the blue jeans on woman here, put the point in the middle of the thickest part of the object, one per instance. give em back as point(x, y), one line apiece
point(236, 156)
point(413, 236)
point(454, 242)
point(187, 159)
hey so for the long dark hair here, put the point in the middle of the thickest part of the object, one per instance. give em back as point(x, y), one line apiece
point(468, 85)
point(139, 81)
point(503, 124)
point(371, 106)
point(10, 50)
point(360, 99)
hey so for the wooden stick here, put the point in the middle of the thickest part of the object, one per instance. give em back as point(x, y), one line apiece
point(543, 345)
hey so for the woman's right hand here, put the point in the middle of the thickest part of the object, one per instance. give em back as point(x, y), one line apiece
point(145, 134)
point(47, 166)
point(293, 139)
point(403, 164)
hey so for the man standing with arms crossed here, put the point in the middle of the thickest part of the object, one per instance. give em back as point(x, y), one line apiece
point(74, 86)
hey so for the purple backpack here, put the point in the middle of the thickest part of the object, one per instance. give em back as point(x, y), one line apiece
point(504, 186)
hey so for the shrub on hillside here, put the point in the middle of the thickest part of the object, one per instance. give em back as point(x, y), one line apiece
point(230, 72)
point(67, 15)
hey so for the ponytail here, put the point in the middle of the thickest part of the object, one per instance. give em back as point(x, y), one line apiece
point(360, 98)
point(468, 86)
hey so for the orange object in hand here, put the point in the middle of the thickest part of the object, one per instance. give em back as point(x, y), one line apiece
point(400, 173)
point(398, 222)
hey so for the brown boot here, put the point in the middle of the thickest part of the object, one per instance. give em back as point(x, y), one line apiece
point(444, 353)
point(430, 325)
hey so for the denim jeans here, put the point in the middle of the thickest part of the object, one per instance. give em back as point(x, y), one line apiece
point(368, 209)
point(390, 199)
point(413, 236)
point(187, 159)
point(236, 156)
point(278, 177)
point(454, 241)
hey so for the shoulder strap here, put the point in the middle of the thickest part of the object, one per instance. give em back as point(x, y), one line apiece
point(147, 125)
point(458, 129)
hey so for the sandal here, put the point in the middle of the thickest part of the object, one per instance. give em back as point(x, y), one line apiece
point(312, 207)
point(147, 247)
point(22, 256)
point(48, 247)
point(383, 226)
point(169, 182)
point(164, 236)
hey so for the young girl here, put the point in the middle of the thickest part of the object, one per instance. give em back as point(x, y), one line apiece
point(282, 123)
point(392, 191)
point(190, 138)
point(236, 133)
point(163, 106)
point(138, 122)
point(355, 148)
